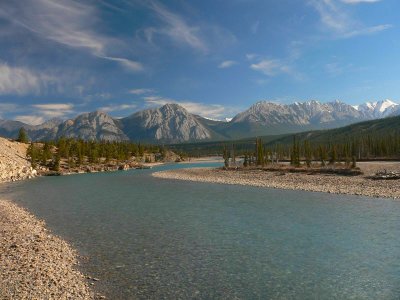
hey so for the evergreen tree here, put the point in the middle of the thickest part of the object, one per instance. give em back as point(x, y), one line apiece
point(333, 153)
point(225, 156)
point(354, 163)
point(22, 136)
point(246, 161)
point(259, 152)
point(307, 153)
point(56, 163)
point(295, 153)
point(32, 153)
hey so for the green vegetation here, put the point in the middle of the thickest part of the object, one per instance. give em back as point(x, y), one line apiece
point(79, 152)
point(377, 139)
point(22, 136)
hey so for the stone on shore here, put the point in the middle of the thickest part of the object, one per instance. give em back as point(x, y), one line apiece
point(328, 183)
point(13, 162)
point(35, 264)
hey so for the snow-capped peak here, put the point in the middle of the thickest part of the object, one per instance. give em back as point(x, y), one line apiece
point(377, 109)
point(384, 105)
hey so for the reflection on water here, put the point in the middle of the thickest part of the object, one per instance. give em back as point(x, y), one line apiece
point(154, 238)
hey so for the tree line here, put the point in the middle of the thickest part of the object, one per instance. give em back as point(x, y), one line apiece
point(305, 151)
point(78, 152)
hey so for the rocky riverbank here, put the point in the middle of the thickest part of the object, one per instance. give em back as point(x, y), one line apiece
point(13, 163)
point(329, 183)
point(34, 264)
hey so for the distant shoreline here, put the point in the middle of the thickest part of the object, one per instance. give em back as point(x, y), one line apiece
point(328, 183)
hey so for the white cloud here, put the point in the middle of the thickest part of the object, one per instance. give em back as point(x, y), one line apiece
point(53, 110)
point(21, 81)
point(141, 91)
point(119, 107)
point(251, 56)
point(212, 111)
point(368, 30)
point(176, 28)
point(227, 64)
point(70, 23)
point(30, 119)
point(127, 64)
point(54, 106)
point(359, 1)
point(335, 17)
point(271, 67)
point(197, 35)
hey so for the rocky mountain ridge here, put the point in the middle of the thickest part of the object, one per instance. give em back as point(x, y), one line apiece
point(172, 123)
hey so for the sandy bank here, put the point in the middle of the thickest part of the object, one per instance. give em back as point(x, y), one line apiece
point(35, 264)
point(354, 185)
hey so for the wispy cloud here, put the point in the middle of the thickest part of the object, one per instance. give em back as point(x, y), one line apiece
point(368, 30)
point(212, 111)
point(38, 113)
point(227, 64)
point(118, 107)
point(30, 119)
point(176, 28)
point(70, 23)
point(22, 81)
point(359, 1)
point(182, 32)
point(271, 67)
point(127, 63)
point(336, 18)
point(141, 91)
point(53, 110)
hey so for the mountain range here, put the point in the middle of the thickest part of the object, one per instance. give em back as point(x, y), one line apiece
point(172, 123)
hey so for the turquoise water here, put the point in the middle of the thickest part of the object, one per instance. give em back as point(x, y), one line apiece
point(150, 238)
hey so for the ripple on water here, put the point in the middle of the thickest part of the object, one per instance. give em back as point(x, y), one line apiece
point(152, 238)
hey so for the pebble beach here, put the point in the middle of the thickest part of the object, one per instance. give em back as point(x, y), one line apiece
point(328, 183)
point(35, 264)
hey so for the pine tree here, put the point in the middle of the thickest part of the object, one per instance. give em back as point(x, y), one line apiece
point(225, 156)
point(56, 163)
point(32, 153)
point(22, 136)
point(354, 163)
point(307, 153)
point(295, 153)
point(246, 161)
point(333, 153)
point(259, 152)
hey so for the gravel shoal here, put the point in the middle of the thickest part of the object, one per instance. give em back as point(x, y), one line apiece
point(34, 264)
point(353, 185)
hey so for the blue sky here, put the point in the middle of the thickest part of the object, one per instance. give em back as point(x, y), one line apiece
point(215, 57)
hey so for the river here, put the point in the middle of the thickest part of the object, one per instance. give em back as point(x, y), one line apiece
point(150, 238)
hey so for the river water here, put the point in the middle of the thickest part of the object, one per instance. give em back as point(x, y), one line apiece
point(150, 238)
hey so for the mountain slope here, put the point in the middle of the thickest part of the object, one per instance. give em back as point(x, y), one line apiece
point(380, 127)
point(170, 123)
point(90, 126)
point(379, 109)
point(264, 118)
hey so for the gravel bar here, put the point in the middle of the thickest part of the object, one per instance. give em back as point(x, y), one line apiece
point(329, 183)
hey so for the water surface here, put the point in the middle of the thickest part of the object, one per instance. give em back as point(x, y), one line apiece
point(155, 238)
